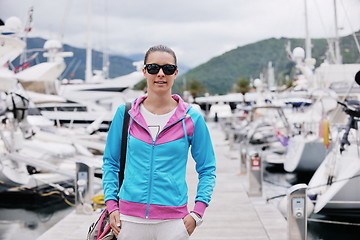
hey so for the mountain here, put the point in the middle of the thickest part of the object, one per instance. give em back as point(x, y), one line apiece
point(220, 73)
point(119, 65)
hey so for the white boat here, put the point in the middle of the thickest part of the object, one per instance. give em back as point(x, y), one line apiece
point(334, 186)
point(43, 77)
point(75, 104)
point(266, 133)
point(42, 151)
point(306, 149)
point(10, 48)
point(304, 153)
point(42, 86)
point(20, 150)
point(104, 96)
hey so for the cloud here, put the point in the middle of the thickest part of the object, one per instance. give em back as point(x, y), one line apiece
point(197, 29)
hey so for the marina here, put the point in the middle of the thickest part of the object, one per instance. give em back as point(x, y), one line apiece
point(233, 214)
point(287, 143)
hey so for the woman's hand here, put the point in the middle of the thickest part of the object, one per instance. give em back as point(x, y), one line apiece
point(115, 222)
point(189, 223)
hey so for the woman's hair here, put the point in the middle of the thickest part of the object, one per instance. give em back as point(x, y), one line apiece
point(160, 48)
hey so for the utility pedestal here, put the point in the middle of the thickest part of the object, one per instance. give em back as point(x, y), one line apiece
point(84, 187)
point(296, 212)
point(255, 175)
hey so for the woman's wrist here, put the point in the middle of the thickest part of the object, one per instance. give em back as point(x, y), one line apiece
point(199, 208)
point(111, 205)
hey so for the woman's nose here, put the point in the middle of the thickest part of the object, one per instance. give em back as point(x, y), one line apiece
point(161, 72)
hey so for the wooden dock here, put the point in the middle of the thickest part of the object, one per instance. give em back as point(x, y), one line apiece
point(232, 214)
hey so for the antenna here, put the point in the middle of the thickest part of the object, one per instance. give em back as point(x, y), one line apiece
point(27, 29)
point(65, 18)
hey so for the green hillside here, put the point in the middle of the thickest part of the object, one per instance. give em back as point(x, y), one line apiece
point(220, 73)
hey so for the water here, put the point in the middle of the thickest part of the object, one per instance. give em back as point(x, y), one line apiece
point(276, 182)
point(328, 231)
point(19, 223)
point(28, 213)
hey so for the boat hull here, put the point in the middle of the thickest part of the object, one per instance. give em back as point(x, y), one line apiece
point(336, 182)
point(304, 154)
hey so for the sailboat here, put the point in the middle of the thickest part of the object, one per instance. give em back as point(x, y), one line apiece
point(334, 187)
point(306, 151)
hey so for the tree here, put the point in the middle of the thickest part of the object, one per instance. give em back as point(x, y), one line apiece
point(242, 86)
point(195, 88)
point(142, 85)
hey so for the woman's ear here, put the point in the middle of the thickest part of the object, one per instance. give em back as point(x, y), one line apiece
point(144, 72)
point(176, 72)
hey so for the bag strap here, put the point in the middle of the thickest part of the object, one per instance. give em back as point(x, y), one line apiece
point(100, 225)
point(124, 143)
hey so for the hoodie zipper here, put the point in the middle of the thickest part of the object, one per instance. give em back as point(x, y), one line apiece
point(152, 165)
point(152, 162)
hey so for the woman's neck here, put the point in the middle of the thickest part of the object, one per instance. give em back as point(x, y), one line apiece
point(160, 104)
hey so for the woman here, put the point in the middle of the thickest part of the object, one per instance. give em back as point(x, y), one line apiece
point(152, 203)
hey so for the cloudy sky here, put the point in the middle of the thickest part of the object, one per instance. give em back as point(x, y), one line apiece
point(197, 30)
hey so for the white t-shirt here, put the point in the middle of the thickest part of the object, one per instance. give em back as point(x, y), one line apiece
point(155, 122)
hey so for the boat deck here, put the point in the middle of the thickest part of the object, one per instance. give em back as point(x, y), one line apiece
point(232, 214)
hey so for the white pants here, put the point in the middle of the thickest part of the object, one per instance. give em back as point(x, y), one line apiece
point(167, 230)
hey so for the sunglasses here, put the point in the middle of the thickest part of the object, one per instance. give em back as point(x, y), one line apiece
point(154, 68)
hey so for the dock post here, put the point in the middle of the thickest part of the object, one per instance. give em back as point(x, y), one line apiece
point(296, 212)
point(255, 175)
point(231, 138)
point(242, 158)
point(84, 187)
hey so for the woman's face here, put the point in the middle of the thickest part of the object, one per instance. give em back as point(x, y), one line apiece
point(160, 83)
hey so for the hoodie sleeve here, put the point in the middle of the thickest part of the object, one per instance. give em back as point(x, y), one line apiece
point(203, 153)
point(111, 157)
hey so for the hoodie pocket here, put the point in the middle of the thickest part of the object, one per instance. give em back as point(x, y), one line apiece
point(166, 190)
point(134, 188)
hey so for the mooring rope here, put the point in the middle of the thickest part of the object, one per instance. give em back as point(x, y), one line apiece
point(333, 222)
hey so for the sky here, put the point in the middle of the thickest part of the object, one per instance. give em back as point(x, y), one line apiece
point(197, 30)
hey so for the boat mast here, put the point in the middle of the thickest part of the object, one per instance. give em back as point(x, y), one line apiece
point(308, 65)
point(307, 35)
point(88, 70)
point(338, 58)
point(106, 63)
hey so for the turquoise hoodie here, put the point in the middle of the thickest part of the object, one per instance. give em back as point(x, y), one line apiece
point(154, 185)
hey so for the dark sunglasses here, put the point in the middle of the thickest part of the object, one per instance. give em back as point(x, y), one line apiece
point(154, 68)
